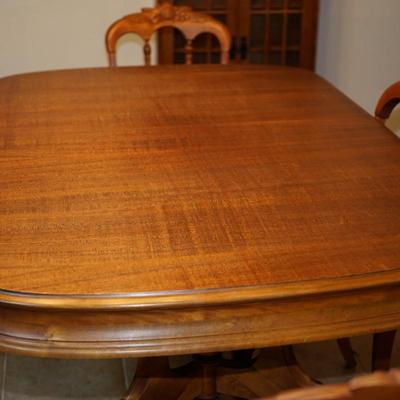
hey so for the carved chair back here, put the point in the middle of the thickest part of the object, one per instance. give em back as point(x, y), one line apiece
point(388, 101)
point(379, 385)
point(150, 20)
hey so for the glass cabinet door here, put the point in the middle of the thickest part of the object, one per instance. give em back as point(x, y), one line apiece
point(206, 48)
point(278, 32)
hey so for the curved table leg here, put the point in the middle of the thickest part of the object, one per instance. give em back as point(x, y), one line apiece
point(301, 378)
point(155, 380)
point(382, 350)
point(347, 352)
point(241, 359)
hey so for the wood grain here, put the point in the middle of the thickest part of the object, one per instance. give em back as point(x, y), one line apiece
point(211, 179)
point(194, 201)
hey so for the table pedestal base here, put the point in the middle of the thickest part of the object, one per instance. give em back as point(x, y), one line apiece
point(238, 379)
point(198, 380)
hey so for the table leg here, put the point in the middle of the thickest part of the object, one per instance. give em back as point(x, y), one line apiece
point(155, 380)
point(382, 350)
point(347, 352)
point(209, 364)
point(301, 378)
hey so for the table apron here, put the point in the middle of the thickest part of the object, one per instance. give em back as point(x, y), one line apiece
point(157, 332)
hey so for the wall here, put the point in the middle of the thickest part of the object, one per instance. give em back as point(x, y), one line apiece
point(39, 35)
point(358, 48)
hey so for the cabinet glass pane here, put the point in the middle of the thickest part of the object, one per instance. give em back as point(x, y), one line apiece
point(215, 58)
point(179, 58)
point(275, 30)
point(220, 17)
point(294, 29)
point(276, 4)
point(256, 57)
point(257, 30)
point(293, 58)
point(199, 4)
point(275, 57)
point(219, 5)
point(257, 4)
point(296, 4)
point(200, 58)
point(200, 42)
point(179, 40)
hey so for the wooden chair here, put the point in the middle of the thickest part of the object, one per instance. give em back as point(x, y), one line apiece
point(383, 342)
point(191, 24)
point(145, 23)
point(376, 386)
point(388, 101)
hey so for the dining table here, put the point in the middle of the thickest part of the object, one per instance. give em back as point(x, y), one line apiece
point(171, 210)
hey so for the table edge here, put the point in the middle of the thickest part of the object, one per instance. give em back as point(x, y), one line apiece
point(199, 297)
point(127, 68)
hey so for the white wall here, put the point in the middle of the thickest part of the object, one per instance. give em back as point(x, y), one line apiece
point(359, 48)
point(39, 35)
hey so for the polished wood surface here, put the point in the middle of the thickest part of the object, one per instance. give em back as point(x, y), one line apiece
point(114, 184)
point(379, 385)
point(213, 207)
point(190, 23)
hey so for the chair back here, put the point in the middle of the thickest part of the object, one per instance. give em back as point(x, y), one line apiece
point(150, 20)
point(376, 386)
point(388, 101)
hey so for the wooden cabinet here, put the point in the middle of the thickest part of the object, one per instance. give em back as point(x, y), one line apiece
point(280, 32)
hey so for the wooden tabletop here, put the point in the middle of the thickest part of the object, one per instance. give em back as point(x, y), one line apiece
point(194, 184)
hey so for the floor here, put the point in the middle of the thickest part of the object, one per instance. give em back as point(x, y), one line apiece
point(23, 378)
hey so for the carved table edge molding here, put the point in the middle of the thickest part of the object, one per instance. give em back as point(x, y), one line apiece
point(146, 332)
point(200, 297)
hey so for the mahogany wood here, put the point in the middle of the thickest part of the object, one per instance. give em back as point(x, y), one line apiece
point(150, 20)
point(218, 209)
point(379, 385)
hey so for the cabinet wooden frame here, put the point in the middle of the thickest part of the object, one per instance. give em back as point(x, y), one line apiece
point(238, 19)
